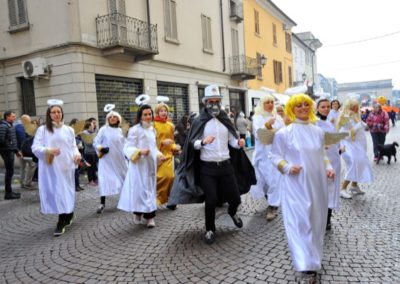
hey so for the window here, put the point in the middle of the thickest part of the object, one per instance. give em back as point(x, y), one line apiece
point(277, 72)
point(288, 39)
point(170, 24)
point(118, 21)
point(274, 38)
point(259, 66)
point(206, 28)
point(235, 42)
point(18, 15)
point(290, 76)
point(256, 22)
point(27, 96)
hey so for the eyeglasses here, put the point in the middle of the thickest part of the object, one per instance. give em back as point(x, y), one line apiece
point(55, 112)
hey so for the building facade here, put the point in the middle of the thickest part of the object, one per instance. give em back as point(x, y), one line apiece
point(93, 52)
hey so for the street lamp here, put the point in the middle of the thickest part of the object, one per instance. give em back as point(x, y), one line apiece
point(263, 60)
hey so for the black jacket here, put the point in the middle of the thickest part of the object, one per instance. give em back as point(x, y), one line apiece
point(8, 138)
point(186, 187)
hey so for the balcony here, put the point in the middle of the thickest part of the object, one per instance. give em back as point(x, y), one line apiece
point(236, 13)
point(120, 34)
point(243, 67)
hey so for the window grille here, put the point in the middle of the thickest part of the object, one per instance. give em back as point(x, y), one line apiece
point(178, 99)
point(27, 97)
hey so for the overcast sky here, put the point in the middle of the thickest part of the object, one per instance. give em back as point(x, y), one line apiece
point(337, 23)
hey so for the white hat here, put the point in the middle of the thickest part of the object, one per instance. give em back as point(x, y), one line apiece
point(211, 92)
point(142, 99)
point(54, 102)
point(109, 107)
point(162, 99)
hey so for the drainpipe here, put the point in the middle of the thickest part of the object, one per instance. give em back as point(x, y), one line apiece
point(223, 37)
point(7, 103)
point(148, 22)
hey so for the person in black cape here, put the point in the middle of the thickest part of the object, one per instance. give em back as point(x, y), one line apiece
point(212, 171)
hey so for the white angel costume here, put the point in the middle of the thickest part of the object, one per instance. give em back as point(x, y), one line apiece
point(56, 173)
point(112, 166)
point(304, 197)
point(334, 157)
point(333, 116)
point(355, 156)
point(139, 193)
point(267, 175)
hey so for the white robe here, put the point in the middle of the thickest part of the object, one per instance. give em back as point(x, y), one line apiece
point(267, 175)
point(333, 155)
point(56, 180)
point(304, 197)
point(112, 166)
point(333, 116)
point(355, 156)
point(140, 188)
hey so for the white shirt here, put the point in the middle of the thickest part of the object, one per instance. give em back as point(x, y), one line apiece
point(218, 150)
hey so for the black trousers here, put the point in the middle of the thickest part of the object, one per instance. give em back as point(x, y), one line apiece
point(8, 158)
point(219, 183)
point(146, 215)
point(92, 159)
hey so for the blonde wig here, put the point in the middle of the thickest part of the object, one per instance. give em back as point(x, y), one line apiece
point(159, 107)
point(113, 113)
point(300, 99)
point(346, 112)
point(259, 109)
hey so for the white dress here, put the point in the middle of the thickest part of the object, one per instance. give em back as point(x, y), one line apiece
point(333, 116)
point(139, 191)
point(56, 179)
point(304, 197)
point(112, 166)
point(355, 156)
point(266, 173)
point(333, 155)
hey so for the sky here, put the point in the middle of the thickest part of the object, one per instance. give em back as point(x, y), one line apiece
point(361, 38)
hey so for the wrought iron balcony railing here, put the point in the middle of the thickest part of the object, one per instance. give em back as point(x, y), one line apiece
point(243, 67)
point(118, 30)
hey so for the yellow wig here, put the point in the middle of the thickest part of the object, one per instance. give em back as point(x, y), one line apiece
point(159, 107)
point(299, 99)
point(348, 113)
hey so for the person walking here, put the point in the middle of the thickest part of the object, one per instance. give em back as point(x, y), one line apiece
point(378, 124)
point(214, 164)
point(55, 147)
point(241, 124)
point(9, 148)
point(89, 152)
point(109, 144)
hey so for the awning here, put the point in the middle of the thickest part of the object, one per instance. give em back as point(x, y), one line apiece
point(281, 98)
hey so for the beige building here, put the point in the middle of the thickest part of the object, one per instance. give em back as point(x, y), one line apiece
point(93, 52)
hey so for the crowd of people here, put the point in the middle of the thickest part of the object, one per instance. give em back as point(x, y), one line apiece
point(296, 163)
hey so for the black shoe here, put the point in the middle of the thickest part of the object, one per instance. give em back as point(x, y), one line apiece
point(100, 209)
point(209, 237)
point(70, 219)
point(171, 207)
point(237, 221)
point(12, 195)
point(328, 226)
point(79, 188)
point(308, 277)
point(60, 229)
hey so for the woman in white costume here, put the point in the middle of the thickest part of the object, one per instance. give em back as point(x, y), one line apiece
point(267, 175)
point(298, 152)
point(55, 147)
point(139, 193)
point(333, 153)
point(112, 167)
point(355, 156)
point(334, 112)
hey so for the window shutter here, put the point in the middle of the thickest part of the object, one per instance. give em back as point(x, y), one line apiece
point(21, 12)
point(121, 7)
point(167, 22)
point(12, 12)
point(113, 6)
point(204, 30)
point(235, 42)
point(209, 38)
point(174, 26)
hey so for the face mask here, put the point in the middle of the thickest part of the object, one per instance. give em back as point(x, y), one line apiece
point(213, 108)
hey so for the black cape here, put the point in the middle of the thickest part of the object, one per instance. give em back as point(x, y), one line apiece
point(186, 187)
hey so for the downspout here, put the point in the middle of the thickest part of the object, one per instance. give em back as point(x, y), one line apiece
point(223, 37)
point(7, 103)
point(148, 22)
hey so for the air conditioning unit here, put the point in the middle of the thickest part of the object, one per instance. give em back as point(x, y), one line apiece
point(35, 67)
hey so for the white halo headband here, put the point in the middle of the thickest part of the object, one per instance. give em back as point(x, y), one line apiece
point(142, 99)
point(55, 102)
point(109, 107)
point(162, 99)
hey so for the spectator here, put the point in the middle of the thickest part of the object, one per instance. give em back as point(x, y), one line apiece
point(378, 123)
point(392, 116)
point(241, 124)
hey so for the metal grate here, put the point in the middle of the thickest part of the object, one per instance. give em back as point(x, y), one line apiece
point(178, 99)
point(28, 97)
point(119, 91)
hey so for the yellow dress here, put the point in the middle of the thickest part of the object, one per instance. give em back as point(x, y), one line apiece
point(165, 171)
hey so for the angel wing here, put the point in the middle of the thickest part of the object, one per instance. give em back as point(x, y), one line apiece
point(87, 138)
point(125, 127)
point(30, 128)
point(266, 136)
point(78, 126)
point(332, 138)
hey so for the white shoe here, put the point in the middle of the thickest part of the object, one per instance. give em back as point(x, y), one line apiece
point(345, 194)
point(137, 219)
point(151, 223)
point(356, 190)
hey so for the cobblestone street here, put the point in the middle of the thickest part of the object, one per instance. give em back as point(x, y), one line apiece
point(363, 246)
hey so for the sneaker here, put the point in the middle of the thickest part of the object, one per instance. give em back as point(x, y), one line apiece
point(356, 190)
point(151, 223)
point(69, 222)
point(345, 194)
point(171, 207)
point(237, 221)
point(271, 213)
point(100, 209)
point(209, 237)
point(12, 195)
point(60, 229)
point(137, 219)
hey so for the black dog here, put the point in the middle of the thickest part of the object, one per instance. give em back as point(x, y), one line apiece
point(387, 150)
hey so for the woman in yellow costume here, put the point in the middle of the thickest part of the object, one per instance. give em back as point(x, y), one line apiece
point(167, 146)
